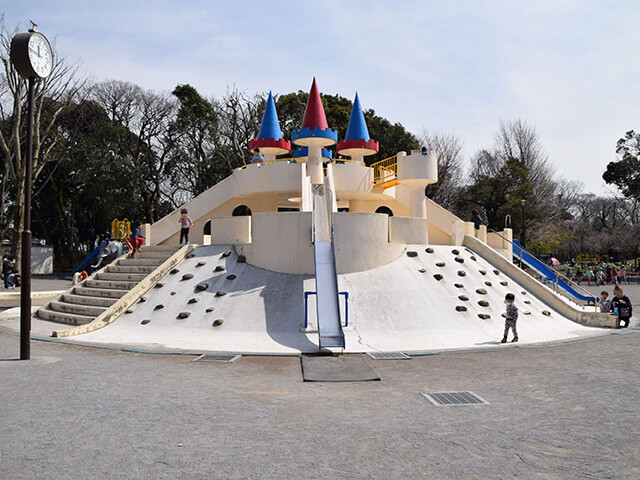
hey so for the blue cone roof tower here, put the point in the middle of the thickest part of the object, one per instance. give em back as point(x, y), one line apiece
point(270, 140)
point(357, 143)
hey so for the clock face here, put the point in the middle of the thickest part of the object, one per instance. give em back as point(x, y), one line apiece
point(40, 55)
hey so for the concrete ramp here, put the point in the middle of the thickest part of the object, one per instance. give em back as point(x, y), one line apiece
point(211, 302)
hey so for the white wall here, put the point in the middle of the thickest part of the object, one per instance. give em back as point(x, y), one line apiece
point(281, 242)
point(361, 241)
point(352, 177)
point(408, 230)
point(230, 230)
point(273, 178)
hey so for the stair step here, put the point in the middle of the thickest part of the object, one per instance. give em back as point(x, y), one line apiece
point(99, 292)
point(126, 277)
point(128, 261)
point(130, 269)
point(153, 255)
point(62, 317)
point(161, 248)
point(113, 284)
point(74, 308)
point(87, 300)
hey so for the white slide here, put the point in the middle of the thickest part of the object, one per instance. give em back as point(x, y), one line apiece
point(327, 298)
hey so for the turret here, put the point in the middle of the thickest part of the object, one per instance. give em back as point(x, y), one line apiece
point(270, 140)
point(314, 134)
point(357, 143)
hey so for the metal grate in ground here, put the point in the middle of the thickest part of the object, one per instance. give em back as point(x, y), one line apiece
point(452, 399)
point(217, 357)
point(388, 356)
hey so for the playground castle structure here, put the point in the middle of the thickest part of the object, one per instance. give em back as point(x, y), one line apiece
point(376, 209)
point(311, 230)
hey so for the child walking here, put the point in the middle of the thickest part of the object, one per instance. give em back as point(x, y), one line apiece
point(185, 225)
point(511, 317)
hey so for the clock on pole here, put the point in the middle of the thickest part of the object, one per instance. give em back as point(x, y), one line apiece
point(32, 57)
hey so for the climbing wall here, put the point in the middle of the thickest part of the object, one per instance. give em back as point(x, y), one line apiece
point(444, 297)
point(431, 298)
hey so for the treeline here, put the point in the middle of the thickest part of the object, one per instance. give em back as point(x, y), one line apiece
point(113, 149)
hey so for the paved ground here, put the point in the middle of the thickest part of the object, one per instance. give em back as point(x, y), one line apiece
point(44, 283)
point(563, 412)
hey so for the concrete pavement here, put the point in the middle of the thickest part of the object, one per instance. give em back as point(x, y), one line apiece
point(568, 411)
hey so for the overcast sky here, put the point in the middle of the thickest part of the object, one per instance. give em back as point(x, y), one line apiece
point(569, 68)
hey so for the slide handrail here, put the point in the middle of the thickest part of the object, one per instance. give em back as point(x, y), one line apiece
point(544, 269)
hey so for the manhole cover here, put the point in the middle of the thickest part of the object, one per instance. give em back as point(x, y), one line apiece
point(217, 358)
point(451, 399)
point(388, 356)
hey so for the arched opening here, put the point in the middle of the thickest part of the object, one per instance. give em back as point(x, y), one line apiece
point(386, 210)
point(241, 211)
point(206, 233)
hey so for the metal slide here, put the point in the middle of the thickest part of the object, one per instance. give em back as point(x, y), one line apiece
point(86, 262)
point(327, 299)
point(547, 272)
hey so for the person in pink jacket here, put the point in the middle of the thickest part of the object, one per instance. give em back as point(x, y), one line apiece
point(185, 225)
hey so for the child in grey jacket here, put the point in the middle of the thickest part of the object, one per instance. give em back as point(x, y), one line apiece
point(511, 317)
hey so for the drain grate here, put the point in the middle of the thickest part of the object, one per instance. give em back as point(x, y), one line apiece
point(388, 356)
point(217, 357)
point(451, 399)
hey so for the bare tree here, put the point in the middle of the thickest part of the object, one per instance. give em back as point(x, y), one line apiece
point(53, 96)
point(517, 139)
point(448, 148)
point(145, 141)
point(239, 122)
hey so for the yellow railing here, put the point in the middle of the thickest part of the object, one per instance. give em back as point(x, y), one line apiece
point(385, 171)
point(120, 229)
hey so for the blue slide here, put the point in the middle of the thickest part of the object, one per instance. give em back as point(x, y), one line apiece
point(85, 262)
point(547, 272)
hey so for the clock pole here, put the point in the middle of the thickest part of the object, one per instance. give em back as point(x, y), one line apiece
point(25, 286)
point(32, 62)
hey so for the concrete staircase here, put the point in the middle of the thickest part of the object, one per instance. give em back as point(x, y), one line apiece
point(93, 296)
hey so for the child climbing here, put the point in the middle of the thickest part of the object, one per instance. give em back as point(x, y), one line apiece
point(185, 225)
point(511, 317)
point(137, 240)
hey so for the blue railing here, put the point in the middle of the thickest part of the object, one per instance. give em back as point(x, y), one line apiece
point(306, 307)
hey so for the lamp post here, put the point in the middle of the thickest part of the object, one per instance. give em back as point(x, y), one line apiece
point(524, 228)
point(32, 57)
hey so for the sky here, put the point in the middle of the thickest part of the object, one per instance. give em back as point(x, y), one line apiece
point(568, 68)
